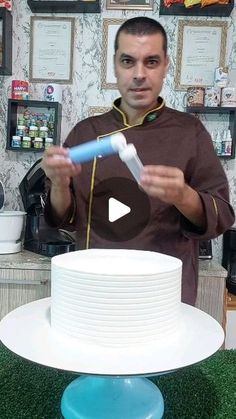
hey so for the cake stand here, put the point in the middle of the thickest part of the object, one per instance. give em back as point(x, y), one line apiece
point(112, 385)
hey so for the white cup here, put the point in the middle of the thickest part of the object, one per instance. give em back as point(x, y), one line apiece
point(212, 96)
point(53, 93)
point(228, 96)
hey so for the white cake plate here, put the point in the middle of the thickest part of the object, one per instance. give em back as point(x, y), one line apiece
point(27, 332)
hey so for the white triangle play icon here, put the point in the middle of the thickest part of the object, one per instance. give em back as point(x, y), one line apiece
point(116, 209)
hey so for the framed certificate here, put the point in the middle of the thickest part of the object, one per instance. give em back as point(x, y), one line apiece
point(201, 47)
point(110, 27)
point(129, 4)
point(51, 49)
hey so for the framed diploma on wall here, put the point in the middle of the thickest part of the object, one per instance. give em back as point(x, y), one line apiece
point(51, 49)
point(64, 6)
point(129, 4)
point(201, 48)
point(110, 27)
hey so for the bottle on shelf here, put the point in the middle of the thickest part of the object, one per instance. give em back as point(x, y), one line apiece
point(223, 144)
point(218, 144)
point(26, 142)
point(38, 143)
point(228, 143)
point(16, 141)
point(213, 139)
point(48, 142)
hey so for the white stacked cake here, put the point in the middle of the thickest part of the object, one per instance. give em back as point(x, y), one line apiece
point(115, 297)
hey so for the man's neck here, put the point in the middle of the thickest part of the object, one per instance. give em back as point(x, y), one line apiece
point(135, 116)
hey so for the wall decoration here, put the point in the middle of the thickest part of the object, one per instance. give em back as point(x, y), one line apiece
point(201, 47)
point(1, 40)
point(110, 27)
point(51, 49)
point(97, 110)
point(130, 4)
point(5, 42)
point(64, 6)
point(171, 7)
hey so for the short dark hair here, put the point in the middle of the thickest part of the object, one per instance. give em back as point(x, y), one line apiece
point(141, 25)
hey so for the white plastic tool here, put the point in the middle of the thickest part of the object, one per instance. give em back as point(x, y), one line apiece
point(130, 157)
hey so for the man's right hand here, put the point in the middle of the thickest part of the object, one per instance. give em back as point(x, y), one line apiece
point(58, 167)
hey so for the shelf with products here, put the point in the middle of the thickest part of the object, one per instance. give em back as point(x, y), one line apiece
point(229, 128)
point(32, 125)
point(179, 9)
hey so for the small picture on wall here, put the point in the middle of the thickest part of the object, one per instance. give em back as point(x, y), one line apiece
point(130, 4)
point(97, 110)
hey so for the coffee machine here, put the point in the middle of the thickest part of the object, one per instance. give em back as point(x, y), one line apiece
point(229, 258)
point(39, 237)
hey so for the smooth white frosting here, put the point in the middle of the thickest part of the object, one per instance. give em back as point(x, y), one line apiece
point(115, 297)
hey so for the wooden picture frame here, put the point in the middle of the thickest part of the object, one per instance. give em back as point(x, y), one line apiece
point(5, 42)
point(129, 4)
point(201, 48)
point(64, 6)
point(110, 27)
point(97, 110)
point(51, 49)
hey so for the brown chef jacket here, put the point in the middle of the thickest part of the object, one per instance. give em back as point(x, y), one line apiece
point(164, 137)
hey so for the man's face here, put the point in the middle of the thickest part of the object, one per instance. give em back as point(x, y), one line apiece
point(140, 66)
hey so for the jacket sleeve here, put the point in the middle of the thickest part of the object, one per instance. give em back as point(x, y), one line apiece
point(208, 178)
point(51, 219)
point(69, 219)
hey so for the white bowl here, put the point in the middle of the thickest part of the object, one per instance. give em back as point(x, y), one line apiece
point(11, 225)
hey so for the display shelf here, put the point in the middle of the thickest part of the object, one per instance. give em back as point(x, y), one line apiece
point(6, 42)
point(221, 10)
point(48, 112)
point(231, 111)
point(62, 6)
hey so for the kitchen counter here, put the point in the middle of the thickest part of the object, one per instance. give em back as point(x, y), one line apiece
point(25, 277)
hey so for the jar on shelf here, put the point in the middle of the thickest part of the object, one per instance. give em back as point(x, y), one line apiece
point(43, 132)
point(38, 143)
point(48, 142)
point(33, 132)
point(16, 141)
point(26, 142)
point(20, 130)
point(21, 121)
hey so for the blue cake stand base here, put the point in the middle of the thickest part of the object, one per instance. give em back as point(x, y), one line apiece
point(96, 397)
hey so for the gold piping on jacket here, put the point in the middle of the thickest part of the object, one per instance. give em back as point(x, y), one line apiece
point(74, 210)
point(127, 126)
point(215, 205)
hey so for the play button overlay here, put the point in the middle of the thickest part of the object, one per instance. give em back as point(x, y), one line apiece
point(116, 210)
point(120, 209)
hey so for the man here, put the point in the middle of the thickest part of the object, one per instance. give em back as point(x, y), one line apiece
point(183, 193)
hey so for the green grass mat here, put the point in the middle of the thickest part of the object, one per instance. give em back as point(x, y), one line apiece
point(202, 391)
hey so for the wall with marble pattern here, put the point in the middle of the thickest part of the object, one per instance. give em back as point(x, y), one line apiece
point(86, 91)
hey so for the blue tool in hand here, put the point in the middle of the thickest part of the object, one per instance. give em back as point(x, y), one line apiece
point(110, 144)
